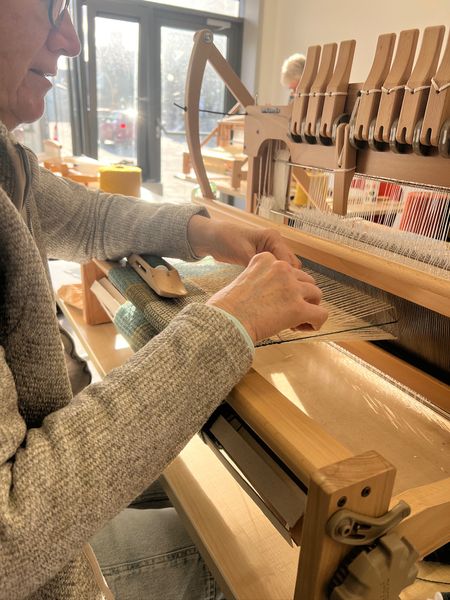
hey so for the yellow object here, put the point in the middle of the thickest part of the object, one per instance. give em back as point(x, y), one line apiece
point(121, 179)
point(301, 197)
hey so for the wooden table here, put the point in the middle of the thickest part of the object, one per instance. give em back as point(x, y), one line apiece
point(247, 555)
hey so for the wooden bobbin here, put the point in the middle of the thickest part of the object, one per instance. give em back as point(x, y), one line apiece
point(300, 102)
point(318, 88)
point(438, 105)
point(371, 90)
point(418, 85)
point(393, 88)
point(337, 88)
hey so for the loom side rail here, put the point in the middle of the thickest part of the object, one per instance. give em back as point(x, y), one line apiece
point(336, 479)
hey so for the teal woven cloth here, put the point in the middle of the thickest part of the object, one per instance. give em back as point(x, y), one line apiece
point(134, 327)
point(145, 313)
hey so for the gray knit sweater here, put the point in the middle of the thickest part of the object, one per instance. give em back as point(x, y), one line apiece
point(68, 465)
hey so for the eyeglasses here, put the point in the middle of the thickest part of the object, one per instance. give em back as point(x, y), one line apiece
point(56, 10)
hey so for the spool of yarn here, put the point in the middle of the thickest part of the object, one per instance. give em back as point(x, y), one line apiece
point(121, 179)
point(301, 197)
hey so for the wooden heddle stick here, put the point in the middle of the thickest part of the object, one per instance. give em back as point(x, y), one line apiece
point(337, 88)
point(300, 102)
point(418, 86)
point(393, 88)
point(437, 111)
point(370, 93)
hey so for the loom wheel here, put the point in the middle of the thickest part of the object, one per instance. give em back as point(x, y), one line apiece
point(295, 137)
point(377, 572)
point(373, 143)
point(419, 148)
point(344, 118)
point(357, 144)
point(310, 139)
point(444, 140)
point(325, 141)
point(395, 146)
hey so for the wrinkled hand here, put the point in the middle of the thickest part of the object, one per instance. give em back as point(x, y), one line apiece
point(270, 295)
point(236, 244)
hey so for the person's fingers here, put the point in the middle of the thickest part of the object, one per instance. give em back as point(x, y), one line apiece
point(282, 252)
point(310, 293)
point(263, 259)
point(271, 241)
point(302, 276)
point(313, 315)
point(304, 327)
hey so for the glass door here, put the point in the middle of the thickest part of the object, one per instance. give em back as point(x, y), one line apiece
point(132, 72)
point(117, 53)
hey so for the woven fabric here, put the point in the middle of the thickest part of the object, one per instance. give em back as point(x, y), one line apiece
point(133, 325)
point(146, 313)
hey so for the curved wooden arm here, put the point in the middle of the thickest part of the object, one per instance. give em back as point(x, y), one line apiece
point(428, 526)
point(203, 51)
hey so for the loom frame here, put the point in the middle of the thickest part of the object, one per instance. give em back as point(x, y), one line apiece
point(328, 469)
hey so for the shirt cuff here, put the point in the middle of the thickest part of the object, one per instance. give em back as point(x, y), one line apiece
point(238, 325)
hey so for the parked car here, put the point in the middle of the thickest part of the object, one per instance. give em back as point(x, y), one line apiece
point(116, 127)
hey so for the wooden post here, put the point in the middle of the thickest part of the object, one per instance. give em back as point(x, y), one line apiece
point(363, 484)
point(93, 312)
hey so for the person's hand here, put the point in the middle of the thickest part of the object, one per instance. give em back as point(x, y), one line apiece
point(236, 244)
point(270, 295)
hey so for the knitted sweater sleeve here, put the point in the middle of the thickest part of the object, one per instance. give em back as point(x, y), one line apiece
point(79, 224)
point(62, 481)
point(66, 474)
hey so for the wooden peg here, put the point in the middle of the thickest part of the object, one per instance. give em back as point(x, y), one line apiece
point(318, 88)
point(346, 166)
point(93, 312)
point(393, 88)
point(300, 102)
point(371, 90)
point(438, 105)
point(336, 92)
point(418, 85)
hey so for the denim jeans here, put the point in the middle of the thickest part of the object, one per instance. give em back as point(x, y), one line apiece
point(146, 554)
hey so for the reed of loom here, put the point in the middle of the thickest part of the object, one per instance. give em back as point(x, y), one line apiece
point(393, 132)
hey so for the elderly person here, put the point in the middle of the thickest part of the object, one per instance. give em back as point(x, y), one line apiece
point(291, 72)
point(68, 465)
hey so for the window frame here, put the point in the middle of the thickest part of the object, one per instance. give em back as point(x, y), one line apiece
point(152, 17)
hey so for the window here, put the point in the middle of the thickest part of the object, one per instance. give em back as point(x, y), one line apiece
point(133, 72)
point(221, 7)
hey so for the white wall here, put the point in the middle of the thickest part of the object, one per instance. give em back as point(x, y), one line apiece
point(290, 26)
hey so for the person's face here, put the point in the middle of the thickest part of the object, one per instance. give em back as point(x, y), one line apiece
point(29, 52)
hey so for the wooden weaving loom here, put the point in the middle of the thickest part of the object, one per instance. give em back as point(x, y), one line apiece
point(372, 163)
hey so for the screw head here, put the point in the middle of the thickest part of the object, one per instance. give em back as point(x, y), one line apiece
point(365, 492)
point(345, 528)
point(342, 501)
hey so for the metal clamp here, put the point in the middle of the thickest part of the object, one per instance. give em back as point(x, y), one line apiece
point(354, 529)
